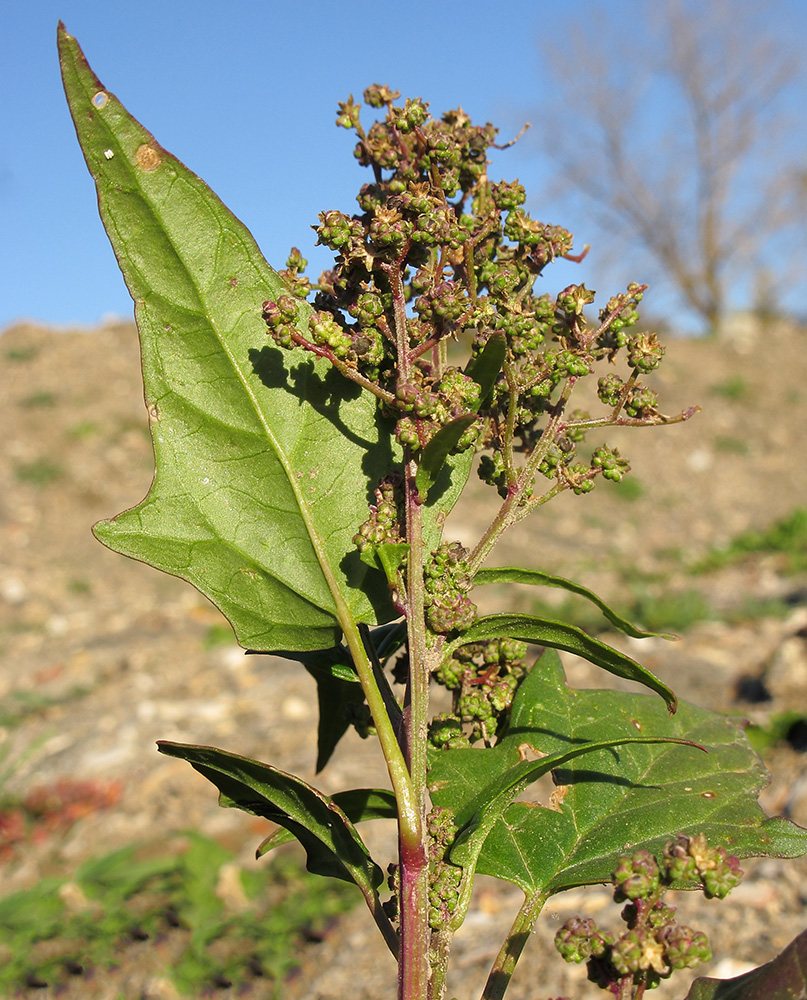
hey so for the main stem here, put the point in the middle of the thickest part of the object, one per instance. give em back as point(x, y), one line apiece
point(413, 961)
point(413, 968)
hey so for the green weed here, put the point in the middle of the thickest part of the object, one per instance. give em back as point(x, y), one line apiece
point(25, 353)
point(40, 472)
point(735, 389)
point(785, 727)
point(124, 897)
point(787, 536)
point(218, 635)
point(83, 429)
point(676, 611)
point(731, 445)
point(629, 489)
point(38, 399)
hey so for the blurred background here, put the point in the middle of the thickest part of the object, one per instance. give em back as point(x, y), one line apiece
point(672, 137)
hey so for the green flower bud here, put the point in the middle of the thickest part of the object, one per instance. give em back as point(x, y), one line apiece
point(636, 876)
point(579, 939)
point(628, 953)
point(683, 947)
point(327, 332)
point(645, 352)
point(445, 731)
point(411, 116)
point(641, 402)
point(378, 95)
point(348, 113)
point(507, 196)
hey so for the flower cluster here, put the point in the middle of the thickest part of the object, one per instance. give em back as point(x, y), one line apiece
point(444, 878)
point(654, 944)
point(436, 252)
point(384, 523)
point(447, 582)
point(483, 678)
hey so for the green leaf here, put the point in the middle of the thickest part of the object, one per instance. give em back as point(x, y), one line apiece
point(332, 844)
point(437, 451)
point(533, 577)
point(559, 635)
point(485, 367)
point(265, 459)
point(478, 817)
point(610, 802)
point(358, 804)
point(783, 978)
point(389, 557)
point(336, 661)
point(334, 697)
point(338, 683)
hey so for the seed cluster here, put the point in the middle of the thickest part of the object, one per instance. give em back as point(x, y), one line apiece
point(439, 252)
point(483, 678)
point(653, 944)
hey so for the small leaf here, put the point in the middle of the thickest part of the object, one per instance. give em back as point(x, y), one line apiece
point(559, 635)
point(485, 367)
point(389, 557)
point(437, 451)
point(509, 574)
point(333, 846)
point(358, 804)
point(388, 639)
point(610, 802)
point(783, 978)
point(336, 661)
point(334, 697)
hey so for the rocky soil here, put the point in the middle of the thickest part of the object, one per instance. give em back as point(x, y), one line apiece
point(100, 656)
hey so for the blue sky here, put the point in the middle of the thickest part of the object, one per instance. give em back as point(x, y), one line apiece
point(245, 95)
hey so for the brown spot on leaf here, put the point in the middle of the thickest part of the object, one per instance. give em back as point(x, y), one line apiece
point(147, 157)
point(557, 797)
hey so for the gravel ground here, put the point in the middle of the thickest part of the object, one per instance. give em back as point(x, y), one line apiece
point(100, 656)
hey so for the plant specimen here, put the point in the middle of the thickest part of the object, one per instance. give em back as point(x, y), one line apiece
point(311, 438)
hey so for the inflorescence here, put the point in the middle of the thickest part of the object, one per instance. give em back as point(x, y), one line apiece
point(653, 945)
point(440, 255)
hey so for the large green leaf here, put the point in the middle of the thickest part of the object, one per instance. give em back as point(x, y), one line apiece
point(479, 816)
point(559, 635)
point(265, 460)
point(613, 801)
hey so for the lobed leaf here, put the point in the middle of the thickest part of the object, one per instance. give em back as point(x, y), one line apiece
point(478, 816)
point(611, 801)
point(266, 460)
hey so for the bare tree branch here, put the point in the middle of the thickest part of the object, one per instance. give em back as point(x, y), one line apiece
point(673, 143)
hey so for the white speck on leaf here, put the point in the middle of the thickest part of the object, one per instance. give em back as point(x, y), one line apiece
point(108, 153)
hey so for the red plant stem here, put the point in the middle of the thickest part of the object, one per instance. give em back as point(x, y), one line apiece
point(413, 960)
